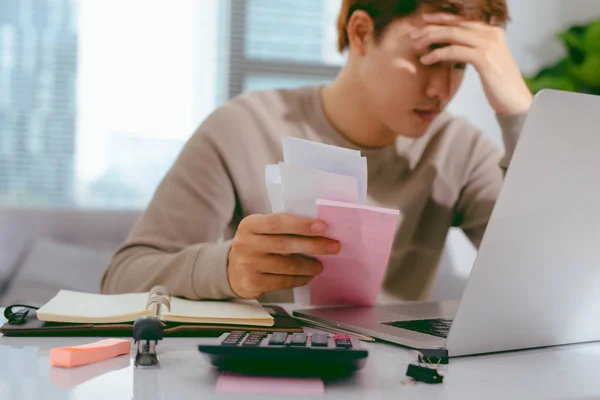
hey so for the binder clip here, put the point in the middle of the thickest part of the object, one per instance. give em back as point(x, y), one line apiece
point(147, 331)
point(424, 374)
point(18, 317)
point(433, 356)
point(426, 370)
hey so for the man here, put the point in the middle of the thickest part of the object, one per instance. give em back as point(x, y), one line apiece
point(208, 231)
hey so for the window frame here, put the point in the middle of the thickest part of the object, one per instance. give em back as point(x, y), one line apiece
point(240, 66)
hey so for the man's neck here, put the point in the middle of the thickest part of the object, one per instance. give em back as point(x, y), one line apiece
point(344, 107)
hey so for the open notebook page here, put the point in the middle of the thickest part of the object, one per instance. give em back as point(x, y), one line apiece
point(78, 307)
point(235, 312)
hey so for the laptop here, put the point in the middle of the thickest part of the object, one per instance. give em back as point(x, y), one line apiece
point(536, 276)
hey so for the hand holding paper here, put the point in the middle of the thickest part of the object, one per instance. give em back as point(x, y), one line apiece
point(329, 183)
point(266, 253)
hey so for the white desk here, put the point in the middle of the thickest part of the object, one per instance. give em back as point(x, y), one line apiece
point(569, 372)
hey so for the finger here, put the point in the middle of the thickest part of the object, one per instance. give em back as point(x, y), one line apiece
point(454, 53)
point(288, 244)
point(269, 282)
point(438, 34)
point(283, 224)
point(452, 19)
point(295, 265)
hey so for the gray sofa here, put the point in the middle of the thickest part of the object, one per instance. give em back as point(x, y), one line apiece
point(43, 251)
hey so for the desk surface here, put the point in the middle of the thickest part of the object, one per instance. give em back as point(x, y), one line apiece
point(568, 372)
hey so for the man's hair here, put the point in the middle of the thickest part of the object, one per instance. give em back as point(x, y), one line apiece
point(383, 12)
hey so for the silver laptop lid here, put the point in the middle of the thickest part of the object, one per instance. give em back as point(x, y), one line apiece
point(536, 278)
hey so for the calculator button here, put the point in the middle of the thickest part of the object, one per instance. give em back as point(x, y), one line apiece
point(319, 339)
point(254, 339)
point(233, 339)
point(341, 336)
point(342, 340)
point(278, 339)
point(236, 334)
point(298, 339)
point(251, 342)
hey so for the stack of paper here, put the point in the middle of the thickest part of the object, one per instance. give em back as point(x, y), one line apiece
point(330, 183)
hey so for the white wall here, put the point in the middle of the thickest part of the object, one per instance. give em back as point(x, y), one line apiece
point(531, 37)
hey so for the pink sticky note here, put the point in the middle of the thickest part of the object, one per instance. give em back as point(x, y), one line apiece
point(229, 382)
point(75, 356)
point(366, 234)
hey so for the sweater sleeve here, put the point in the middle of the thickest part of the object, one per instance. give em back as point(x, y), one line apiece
point(177, 242)
point(485, 177)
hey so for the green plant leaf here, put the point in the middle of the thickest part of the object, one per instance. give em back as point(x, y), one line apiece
point(551, 82)
point(591, 39)
point(579, 71)
point(573, 38)
point(588, 72)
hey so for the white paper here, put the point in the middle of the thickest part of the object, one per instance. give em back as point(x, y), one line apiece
point(273, 183)
point(302, 187)
point(295, 147)
point(333, 159)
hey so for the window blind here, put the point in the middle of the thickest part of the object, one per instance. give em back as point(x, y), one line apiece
point(93, 117)
point(38, 73)
point(284, 43)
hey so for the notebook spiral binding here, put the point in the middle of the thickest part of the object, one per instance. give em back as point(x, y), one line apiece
point(158, 297)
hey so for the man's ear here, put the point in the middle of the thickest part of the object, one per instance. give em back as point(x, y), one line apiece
point(360, 31)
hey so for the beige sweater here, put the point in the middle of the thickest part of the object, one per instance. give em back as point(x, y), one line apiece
point(449, 177)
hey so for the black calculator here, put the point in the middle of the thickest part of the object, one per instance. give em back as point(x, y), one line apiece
point(280, 353)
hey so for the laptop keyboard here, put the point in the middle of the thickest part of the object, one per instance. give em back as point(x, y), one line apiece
point(435, 327)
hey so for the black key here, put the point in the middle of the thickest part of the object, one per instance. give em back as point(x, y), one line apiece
point(435, 327)
point(298, 339)
point(345, 343)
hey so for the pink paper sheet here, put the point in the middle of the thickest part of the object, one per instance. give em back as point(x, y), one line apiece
point(366, 234)
point(229, 382)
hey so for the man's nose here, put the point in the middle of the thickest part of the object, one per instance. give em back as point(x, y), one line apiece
point(440, 82)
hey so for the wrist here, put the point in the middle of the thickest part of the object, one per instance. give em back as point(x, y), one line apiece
point(519, 105)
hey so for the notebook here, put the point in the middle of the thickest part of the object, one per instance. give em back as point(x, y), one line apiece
point(77, 307)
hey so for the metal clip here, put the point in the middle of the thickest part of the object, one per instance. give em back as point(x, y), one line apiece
point(428, 364)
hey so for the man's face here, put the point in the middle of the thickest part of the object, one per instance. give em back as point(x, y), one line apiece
point(401, 92)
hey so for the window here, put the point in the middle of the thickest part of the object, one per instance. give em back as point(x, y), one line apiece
point(97, 98)
point(286, 43)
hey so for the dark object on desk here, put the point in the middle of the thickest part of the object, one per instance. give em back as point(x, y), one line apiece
point(147, 331)
point(424, 374)
point(29, 325)
point(433, 356)
point(282, 354)
point(17, 313)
